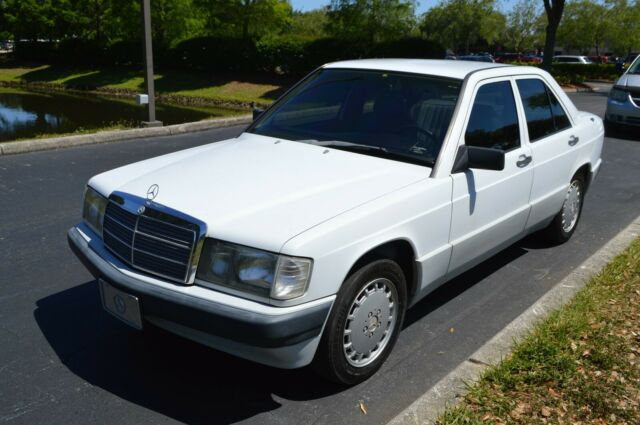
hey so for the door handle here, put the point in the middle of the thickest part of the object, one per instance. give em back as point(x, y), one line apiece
point(523, 160)
point(573, 140)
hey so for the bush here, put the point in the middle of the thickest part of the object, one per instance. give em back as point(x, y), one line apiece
point(411, 47)
point(128, 53)
point(35, 51)
point(576, 73)
point(292, 55)
point(215, 54)
point(77, 51)
point(281, 54)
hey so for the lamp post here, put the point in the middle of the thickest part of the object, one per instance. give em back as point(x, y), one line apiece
point(148, 69)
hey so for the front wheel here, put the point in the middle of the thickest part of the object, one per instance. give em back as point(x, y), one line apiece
point(364, 323)
point(566, 221)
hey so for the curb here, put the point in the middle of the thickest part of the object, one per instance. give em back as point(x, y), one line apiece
point(578, 89)
point(35, 145)
point(447, 392)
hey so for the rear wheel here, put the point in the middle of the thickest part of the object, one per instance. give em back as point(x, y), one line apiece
point(364, 323)
point(566, 221)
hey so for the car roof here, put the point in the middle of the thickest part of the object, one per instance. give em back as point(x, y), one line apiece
point(436, 67)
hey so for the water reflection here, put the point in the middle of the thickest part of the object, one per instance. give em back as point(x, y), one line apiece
point(25, 114)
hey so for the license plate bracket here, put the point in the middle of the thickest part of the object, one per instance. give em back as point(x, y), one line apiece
point(123, 306)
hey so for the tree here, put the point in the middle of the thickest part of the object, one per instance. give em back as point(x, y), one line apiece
point(371, 21)
point(310, 24)
point(29, 19)
point(523, 29)
point(248, 19)
point(464, 25)
point(553, 9)
point(625, 36)
point(586, 24)
point(174, 21)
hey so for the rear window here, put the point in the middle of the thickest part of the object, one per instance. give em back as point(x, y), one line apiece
point(543, 111)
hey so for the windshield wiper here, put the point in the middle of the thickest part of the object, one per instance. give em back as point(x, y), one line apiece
point(345, 145)
point(375, 150)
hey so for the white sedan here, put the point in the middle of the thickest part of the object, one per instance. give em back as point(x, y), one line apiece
point(365, 187)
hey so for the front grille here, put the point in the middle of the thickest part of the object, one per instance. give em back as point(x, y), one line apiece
point(151, 241)
point(634, 120)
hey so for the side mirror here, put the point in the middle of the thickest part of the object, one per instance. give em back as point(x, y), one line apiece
point(257, 112)
point(479, 158)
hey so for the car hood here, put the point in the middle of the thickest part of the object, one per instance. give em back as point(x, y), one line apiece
point(259, 191)
point(629, 80)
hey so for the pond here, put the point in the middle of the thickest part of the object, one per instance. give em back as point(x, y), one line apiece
point(26, 114)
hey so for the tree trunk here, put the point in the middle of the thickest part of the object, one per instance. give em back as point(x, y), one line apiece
point(554, 9)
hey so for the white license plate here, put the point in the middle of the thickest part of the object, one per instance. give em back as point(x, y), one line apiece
point(125, 307)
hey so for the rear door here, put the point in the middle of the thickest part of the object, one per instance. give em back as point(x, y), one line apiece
point(553, 141)
point(490, 208)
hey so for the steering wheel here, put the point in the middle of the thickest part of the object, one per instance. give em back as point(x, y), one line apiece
point(417, 128)
point(421, 147)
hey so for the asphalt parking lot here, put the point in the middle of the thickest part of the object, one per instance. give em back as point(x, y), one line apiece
point(63, 360)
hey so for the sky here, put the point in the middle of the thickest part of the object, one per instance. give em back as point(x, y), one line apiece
point(423, 5)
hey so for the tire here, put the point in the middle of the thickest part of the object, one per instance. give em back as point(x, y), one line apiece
point(565, 222)
point(350, 352)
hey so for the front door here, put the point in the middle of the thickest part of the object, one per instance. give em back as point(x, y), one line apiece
point(490, 208)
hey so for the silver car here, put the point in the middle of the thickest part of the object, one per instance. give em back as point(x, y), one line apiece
point(581, 60)
point(623, 105)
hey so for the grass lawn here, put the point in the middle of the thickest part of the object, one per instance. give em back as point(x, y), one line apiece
point(171, 85)
point(579, 366)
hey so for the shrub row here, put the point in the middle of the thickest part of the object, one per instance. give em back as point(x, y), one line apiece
point(80, 52)
point(576, 73)
point(566, 73)
point(278, 54)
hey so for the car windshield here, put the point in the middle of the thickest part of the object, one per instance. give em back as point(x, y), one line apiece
point(635, 67)
point(394, 115)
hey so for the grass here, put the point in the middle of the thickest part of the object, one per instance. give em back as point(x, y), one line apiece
point(579, 366)
point(176, 86)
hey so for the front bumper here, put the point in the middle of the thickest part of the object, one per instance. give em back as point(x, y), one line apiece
point(626, 112)
point(285, 337)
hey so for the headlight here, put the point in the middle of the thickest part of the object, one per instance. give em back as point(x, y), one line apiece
point(253, 270)
point(93, 209)
point(618, 95)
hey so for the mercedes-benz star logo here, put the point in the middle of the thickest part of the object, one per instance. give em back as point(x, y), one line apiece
point(119, 304)
point(152, 192)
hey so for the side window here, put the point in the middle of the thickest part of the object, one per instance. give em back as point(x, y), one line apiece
point(494, 121)
point(544, 113)
point(536, 108)
point(560, 119)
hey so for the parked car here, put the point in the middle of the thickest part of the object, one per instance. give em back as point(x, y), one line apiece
point(477, 58)
point(517, 57)
point(580, 60)
point(623, 104)
point(360, 191)
point(600, 59)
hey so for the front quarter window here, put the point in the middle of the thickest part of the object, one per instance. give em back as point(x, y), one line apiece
point(396, 115)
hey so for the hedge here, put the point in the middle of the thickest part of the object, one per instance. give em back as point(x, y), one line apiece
point(577, 73)
point(277, 54)
point(80, 52)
